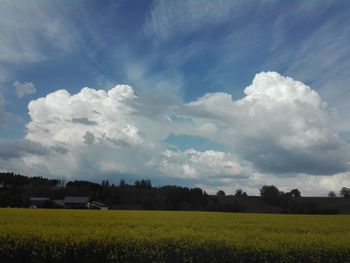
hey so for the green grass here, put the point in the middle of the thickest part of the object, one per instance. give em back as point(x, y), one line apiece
point(144, 236)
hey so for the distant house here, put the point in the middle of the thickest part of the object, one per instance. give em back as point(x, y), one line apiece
point(36, 202)
point(80, 202)
point(98, 205)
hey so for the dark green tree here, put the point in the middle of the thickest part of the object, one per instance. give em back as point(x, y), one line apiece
point(270, 194)
point(221, 193)
point(345, 192)
point(295, 193)
point(240, 193)
point(332, 194)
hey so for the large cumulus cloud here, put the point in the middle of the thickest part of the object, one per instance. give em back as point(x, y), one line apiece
point(115, 131)
point(280, 127)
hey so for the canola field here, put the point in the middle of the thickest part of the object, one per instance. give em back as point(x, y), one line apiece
point(39, 235)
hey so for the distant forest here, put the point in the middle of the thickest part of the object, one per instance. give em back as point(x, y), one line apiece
point(16, 191)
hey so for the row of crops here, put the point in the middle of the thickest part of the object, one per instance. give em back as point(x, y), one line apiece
point(144, 236)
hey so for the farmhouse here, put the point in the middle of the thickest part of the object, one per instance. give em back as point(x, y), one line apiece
point(36, 202)
point(81, 202)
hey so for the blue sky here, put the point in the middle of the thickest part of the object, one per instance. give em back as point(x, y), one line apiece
point(172, 53)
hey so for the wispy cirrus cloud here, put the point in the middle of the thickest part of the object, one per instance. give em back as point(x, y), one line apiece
point(32, 32)
point(320, 56)
point(180, 17)
point(4, 115)
point(27, 28)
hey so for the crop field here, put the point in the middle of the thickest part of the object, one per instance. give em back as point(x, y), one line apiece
point(152, 236)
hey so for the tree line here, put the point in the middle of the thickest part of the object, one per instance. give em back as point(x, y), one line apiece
point(291, 202)
point(16, 190)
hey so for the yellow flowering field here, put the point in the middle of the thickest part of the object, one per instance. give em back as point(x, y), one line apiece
point(39, 235)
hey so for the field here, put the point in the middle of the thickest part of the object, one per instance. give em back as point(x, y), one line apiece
point(144, 236)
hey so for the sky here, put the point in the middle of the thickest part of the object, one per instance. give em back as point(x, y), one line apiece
point(212, 94)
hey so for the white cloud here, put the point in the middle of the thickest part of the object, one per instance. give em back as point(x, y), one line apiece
point(320, 57)
point(24, 89)
point(4, 116)
point(27, 27)
point(54, 118)
point(178, 18)
point(115, 131)
point(281, 126)
point(279, 133)
point(169, 18)
point(32, 32)
point(207, 165)
point(89, 137)
point(17, 148)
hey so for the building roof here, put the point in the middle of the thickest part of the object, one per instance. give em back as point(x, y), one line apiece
point(76, 199)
